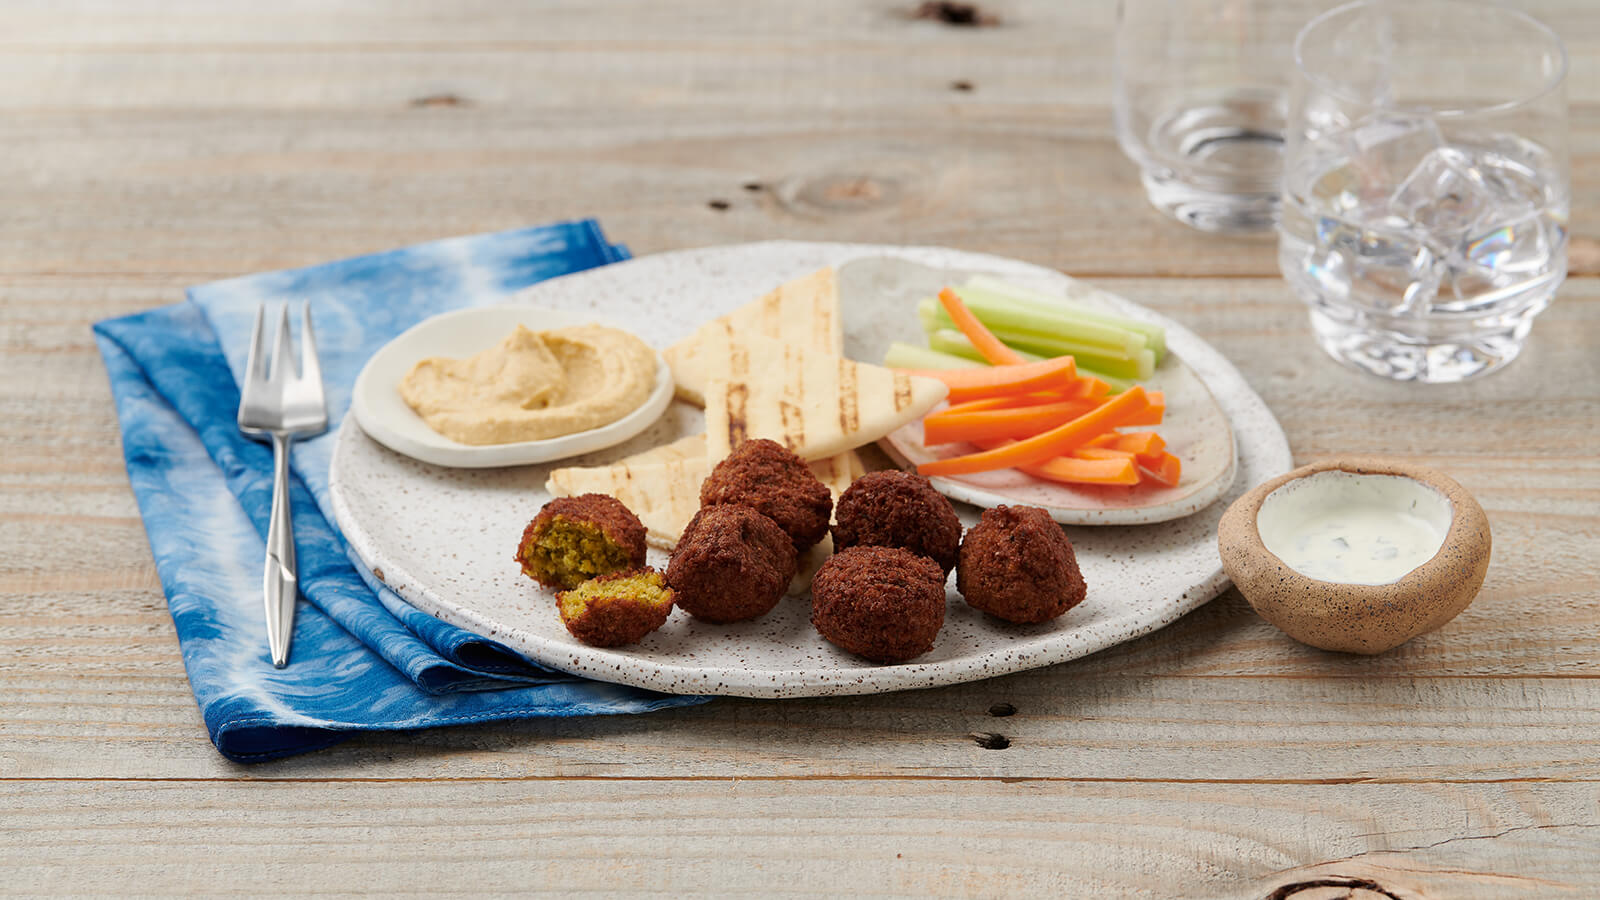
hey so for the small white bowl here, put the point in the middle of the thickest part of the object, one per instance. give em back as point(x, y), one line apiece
point(384, 415)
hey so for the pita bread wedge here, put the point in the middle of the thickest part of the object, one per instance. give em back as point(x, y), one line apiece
point(817, 405)
point(804, 311)
point(664, 495)
point(689, 447)
point(838, 471)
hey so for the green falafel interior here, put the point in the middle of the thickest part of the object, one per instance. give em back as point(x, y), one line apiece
point(646, 588)
point(570, 552)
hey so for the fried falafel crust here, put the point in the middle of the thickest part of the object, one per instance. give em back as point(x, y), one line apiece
point(558, 548)
point(731, 564)
point(616, 609)
point(882, 603)
point(898, 509)
point(1018, 565)
point(765, 476)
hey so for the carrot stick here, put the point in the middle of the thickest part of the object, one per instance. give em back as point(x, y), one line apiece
point(947, 426)
point(1043, 446)
point(972, 384)
point(1077, 471)
point(1085, 471)
point(1167, 469)
point(1012, 401)
point(1152, 414)
point(1091, 387)
point(1102, 453)
point(1140, 443)
point(988, 346)
point(1085, 388)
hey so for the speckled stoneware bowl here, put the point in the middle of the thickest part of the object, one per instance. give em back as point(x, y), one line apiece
point(1358, 618)
point(443, 538)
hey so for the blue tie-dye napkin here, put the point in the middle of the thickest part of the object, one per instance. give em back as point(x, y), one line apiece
point(362, 659)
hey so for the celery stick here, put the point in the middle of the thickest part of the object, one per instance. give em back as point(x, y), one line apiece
point(934, 319)
point(907, 356)
point(1051, 323)
point(996, 289)
point(1139, 366)
point(948, 340)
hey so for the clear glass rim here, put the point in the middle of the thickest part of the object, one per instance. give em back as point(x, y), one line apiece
point(1554, 82)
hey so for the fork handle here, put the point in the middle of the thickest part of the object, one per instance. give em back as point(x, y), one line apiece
point(279, 581)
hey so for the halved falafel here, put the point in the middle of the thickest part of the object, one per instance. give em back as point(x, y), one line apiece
point(883, 603)
point(731, 564)
point(765, 476)
point(573, 539)
point(898, 509)
point(1018, 565)
point(616, 609)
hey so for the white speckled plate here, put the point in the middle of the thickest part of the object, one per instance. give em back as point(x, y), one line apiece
point(385, 416)
point(444, 538)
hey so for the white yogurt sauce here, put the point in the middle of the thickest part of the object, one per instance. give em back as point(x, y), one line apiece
point(1354, 529)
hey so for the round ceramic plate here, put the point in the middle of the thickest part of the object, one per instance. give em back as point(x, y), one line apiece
point(377, 405)
point(444, 538)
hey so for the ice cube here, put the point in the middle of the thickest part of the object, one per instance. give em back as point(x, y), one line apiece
point(1444, 195)
point(1385, 147)
point(1499, 264)
point(1323, 115)
point(1379, 267)
point(1518, 247)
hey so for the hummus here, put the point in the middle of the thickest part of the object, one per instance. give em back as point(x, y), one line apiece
point(533, 385)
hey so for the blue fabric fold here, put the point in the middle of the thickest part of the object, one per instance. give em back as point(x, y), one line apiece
point(362, 659)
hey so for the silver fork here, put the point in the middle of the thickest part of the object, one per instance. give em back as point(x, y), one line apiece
point(281, 404)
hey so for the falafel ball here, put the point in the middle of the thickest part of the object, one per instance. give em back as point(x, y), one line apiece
point(573, 539)
point(731, 564)
point(765, 476)
point(883, 603)
point(616, 609)
point(1018, 565)
point(898, 509)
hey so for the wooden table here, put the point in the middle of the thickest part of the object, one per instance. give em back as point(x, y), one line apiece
point(153, 145)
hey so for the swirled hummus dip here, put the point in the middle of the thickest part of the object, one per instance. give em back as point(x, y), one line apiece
point(533, 385)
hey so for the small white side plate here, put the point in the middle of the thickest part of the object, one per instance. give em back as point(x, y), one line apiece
point(384, 415)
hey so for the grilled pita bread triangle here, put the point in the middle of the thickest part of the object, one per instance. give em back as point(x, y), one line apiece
point(817, 405)
point(804, 311)
point(689, 447)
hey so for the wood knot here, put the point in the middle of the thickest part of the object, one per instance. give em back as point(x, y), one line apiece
point(989, 740)
point(949, 12)
point(962, 86)
point(719, 205)
point(1000, 710)
point(834, 194)
point(439, 100)
point(1326, 888)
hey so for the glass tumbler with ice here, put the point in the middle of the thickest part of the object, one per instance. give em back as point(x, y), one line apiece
point(1426, 184)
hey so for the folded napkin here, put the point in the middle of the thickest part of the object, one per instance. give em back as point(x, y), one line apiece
point(362, 658)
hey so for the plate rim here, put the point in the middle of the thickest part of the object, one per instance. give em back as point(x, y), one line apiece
point(456, 455)
point(623, 668)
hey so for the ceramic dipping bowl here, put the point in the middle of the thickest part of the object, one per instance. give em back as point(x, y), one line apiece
point(1356, 554)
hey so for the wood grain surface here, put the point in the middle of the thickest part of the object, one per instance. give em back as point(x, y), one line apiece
point(153, 145)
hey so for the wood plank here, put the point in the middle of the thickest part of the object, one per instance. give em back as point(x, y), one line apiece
point(1067, 724)
point(813, 838)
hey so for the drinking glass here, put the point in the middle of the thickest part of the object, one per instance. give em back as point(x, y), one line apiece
point(1426, 184)
point(1200, 104)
